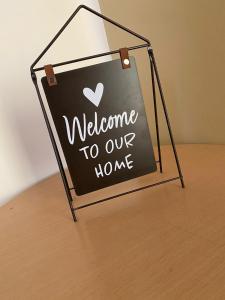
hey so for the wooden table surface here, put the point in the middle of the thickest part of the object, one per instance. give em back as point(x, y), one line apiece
point(160, 243)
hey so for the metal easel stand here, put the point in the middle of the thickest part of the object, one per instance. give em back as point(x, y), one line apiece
point(154, 74)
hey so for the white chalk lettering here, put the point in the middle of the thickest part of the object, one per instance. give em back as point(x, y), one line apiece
point(118, 143)
point(93, 151)
point(109, 146)
point(109, 167)
point(128, 162)
point(84, 128)
point(71, 135)
point(128, 138)
point(94, 148)
point(119, 146)
point(85, 152)
point(98, 171)
point(118, 165)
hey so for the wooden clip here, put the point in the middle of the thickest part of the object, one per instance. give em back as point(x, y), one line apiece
point(124, 56)
point(50, 75)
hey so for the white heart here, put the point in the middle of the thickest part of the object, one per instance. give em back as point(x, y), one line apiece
point(94, 97)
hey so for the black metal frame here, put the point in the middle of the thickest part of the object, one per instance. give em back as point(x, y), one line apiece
point(154, 74)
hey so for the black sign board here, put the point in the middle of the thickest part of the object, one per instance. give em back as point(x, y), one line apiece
point(99, 115)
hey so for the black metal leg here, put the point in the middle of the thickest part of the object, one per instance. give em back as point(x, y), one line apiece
point(150, 51)
point(156, 115)
point(54, 145)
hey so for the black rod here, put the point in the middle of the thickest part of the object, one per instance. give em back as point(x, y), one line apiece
point(54, 145)
point(156, 115)
point(90, 57)
point(116, 24)
point(71, 18)
point(150, 51)
point(126, 193)
point(55, 37)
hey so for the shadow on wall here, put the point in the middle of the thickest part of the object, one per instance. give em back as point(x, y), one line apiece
point(26, 153)
point(30, 130)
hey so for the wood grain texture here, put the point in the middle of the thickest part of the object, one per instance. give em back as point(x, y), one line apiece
point(160, 243)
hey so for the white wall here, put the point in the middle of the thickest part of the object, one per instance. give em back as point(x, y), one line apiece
point(26, 155)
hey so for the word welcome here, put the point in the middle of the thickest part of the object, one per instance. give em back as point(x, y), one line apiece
point(88, 128)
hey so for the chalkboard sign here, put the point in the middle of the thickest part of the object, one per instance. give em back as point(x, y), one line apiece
point(99, 115)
